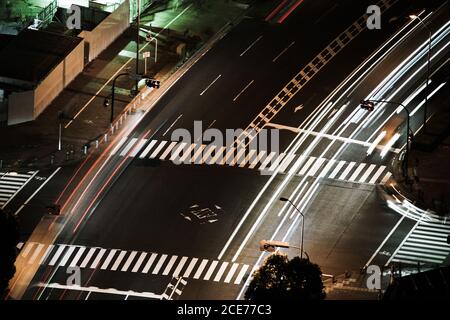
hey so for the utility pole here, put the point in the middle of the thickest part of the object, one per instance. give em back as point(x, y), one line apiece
point(138, 20)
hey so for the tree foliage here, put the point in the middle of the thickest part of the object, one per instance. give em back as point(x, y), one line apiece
point(282, 279)
point(9, 238)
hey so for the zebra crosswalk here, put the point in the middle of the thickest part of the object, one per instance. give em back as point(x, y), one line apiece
point(264, 161)
point(426, 243)
point(11, 183)
point(64, 255)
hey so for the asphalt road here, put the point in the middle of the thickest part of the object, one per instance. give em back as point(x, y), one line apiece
point(141, 220)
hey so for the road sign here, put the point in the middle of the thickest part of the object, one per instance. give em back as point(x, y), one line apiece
point(146, 54)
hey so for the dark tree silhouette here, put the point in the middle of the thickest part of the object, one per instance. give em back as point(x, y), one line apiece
point(9, 238)
point(282, 279)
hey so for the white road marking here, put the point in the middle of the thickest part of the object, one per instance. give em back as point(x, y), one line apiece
point(36, 253)
point(286, 161)
point(27, 249)
point(108, 259)
point(282, 52)
point(187, 152)
point(367, 173)
point(128, 147)
point(167, 151)
point(139, 262)
point(173, 123)
point(138, 147)
point(118, 260)
point(158, 149)
point(191, 266)
point(149, 263)
point(337, 169)
point(46, 253)
point(241, 274)
point(209, 86)
point(180, 266)
point(129, 261)
point(242, 91)
point(357, 172)
point(267, 160)
point(231, 272)
point(327, 168)
point(88, 257)
point(147, 149)
point(238, 156)
point(197, 153)
point(307, 165)
point(211, 270)
point(57, 254)
point(221, 271)
point(250, 46)
point(377, 174)
point(159, 264)
point(118, 145)
point(315, 167)
point(200, 268)
point(169, 265)
point(96, 262)
point(77, 257)
point(347, 170)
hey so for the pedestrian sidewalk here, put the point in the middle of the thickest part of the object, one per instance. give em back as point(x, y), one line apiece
point(34, 145)
point(351, 285)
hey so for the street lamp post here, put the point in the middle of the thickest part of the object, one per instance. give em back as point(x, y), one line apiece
point(428, 69)
point(113, 93)
point(303, 223)
point(138, 21)
point(369, 105)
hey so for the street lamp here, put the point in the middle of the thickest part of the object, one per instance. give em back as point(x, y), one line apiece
point(370, 105)
point(413, 17)
point(303, 223)
point(151, 83)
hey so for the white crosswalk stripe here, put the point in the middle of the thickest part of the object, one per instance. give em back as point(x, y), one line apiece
point(211, 269)
point(147, 149)
point(139, 262)
point(129, 260)
point(158, 149)
point(149, 263)
point(347, 170)
point(189, 269)
point(128, 147)
point(118, 260)
point(11, 183)
point(132, 261)
point(200, 269)
point(169, 265)
point(267, 162)
point(425, 244)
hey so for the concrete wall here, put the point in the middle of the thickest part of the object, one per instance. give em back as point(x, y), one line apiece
point(106, 32)
point(20, 107)
point(58, 79)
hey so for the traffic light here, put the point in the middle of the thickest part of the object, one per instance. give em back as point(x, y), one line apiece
point(152, 83)
point(148, 37)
